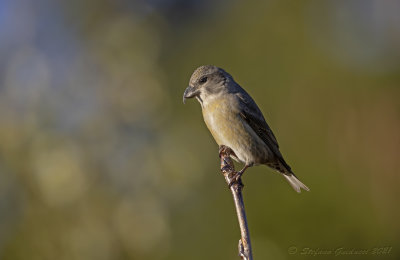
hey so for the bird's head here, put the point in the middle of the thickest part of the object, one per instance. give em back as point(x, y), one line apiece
point(205, 82)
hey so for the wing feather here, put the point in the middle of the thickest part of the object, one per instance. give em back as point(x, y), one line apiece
point(252, 115)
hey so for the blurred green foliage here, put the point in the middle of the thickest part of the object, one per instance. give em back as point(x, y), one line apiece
point(99, 158)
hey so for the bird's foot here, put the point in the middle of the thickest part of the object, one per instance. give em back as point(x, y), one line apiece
point(228, 169)
point(226, 162)
point(224, 151)
point(235, 178)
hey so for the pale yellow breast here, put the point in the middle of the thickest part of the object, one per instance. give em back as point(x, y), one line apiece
point(223, 119)
point(220, 119)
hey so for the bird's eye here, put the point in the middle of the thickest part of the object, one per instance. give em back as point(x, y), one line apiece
point(203, 80)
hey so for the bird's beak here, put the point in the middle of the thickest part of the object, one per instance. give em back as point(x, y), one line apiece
point(190, 92)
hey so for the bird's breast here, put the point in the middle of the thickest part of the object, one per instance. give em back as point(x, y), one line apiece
point(223, 119)
point(220, 119)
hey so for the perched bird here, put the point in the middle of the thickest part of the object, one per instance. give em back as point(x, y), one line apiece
point(235, 121)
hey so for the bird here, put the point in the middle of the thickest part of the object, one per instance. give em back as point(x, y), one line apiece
point(235, 121)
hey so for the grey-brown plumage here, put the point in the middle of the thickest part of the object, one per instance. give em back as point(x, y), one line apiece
point(235, 121)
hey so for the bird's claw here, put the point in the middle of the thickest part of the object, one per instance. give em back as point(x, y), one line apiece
point(232, 177)
point(235, 179)
point(223, 151)
point(226, 168)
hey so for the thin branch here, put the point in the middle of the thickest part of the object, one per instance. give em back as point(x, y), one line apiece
point(236, 186)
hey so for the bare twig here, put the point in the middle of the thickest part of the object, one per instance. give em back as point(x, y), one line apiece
point(236, 186)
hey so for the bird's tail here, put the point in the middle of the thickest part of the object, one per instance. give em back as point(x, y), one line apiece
point(296, 184)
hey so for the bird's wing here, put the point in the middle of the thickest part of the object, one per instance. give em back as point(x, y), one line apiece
point(250, 112)
point(252, 115)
